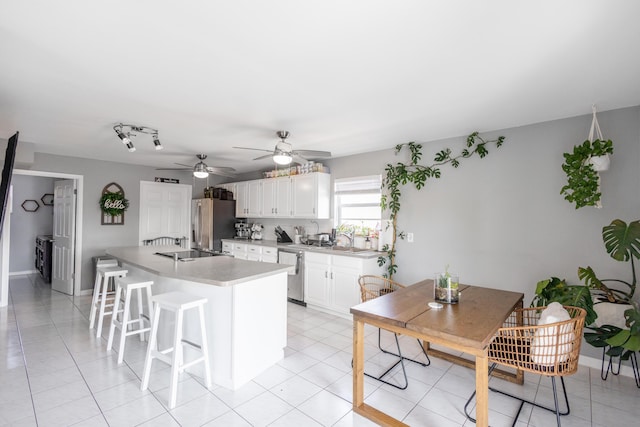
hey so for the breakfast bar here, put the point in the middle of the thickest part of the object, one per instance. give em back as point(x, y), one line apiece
point(246, 312)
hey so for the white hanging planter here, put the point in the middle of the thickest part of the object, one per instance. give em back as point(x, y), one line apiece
point(600, 163)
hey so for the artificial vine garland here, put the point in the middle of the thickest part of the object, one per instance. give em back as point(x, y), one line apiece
point(403, 173)
point(113, 204)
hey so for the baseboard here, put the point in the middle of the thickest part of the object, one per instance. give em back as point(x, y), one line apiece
point(85, 292)
point(592, 362)
point(22, 273)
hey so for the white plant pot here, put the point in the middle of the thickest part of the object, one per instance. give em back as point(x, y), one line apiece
point(611, 314)
point(600, 163)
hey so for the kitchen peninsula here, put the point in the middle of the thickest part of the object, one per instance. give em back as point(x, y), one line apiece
point(246, 313)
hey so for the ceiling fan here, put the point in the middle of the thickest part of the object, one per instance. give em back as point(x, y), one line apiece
point(201, 170)
point(283, 154)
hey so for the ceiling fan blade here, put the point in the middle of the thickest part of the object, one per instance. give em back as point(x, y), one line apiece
point(216, 171)
point(254, 149)
point(174, 169)
point(312, 153)
point(186, 166)
point(221, 168)
point(266, 156)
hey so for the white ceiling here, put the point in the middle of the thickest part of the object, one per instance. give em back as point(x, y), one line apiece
point(343, 76)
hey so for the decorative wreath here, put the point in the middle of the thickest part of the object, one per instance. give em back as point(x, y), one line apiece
point(113, 203)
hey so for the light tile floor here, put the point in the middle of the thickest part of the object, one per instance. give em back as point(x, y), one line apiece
point(54, 372)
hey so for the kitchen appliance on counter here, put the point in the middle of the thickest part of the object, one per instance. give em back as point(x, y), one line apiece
point(211, 221)
point(256, 231)
point(295, 279)
point(243, 230)
point(282, 236)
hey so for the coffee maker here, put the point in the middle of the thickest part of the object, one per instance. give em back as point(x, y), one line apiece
point(243, 230)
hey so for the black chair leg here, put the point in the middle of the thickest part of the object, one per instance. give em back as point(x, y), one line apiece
point(555, 409)
point(400, 361)
point(405, 358)
point(636, 371)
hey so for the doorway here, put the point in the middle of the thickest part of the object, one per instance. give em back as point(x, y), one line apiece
point(74, 261)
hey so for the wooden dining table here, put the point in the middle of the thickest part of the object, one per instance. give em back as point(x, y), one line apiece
point(467, 327)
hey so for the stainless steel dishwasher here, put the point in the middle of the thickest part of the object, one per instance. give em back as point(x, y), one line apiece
point(295, 279)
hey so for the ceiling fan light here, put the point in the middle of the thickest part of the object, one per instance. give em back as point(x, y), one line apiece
point(200, 170)
point(282, 158)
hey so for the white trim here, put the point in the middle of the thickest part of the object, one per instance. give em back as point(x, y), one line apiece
point(22, 273)
point(77, 284)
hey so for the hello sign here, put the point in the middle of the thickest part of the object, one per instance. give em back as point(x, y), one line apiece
point(113, 204)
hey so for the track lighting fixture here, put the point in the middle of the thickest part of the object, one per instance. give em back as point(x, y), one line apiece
point(126, 132)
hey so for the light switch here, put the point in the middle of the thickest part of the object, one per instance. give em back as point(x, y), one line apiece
point(410, 237)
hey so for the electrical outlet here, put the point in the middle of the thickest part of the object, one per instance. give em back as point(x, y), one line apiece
point(410, 237)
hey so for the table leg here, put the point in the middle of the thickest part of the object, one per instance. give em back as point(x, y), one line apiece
point(358, 363)
point(482, 391)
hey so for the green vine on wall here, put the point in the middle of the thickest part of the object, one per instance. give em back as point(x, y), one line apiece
point(401, 174)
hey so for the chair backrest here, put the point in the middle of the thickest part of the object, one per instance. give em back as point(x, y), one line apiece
point(374, 286)
point(551, 349)
point(165, 240)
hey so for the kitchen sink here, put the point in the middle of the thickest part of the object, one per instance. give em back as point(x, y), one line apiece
point(346, 249)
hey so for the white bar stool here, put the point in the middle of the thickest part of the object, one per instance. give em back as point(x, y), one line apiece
point(128, 285)
point(102, 298)
point(177, 302)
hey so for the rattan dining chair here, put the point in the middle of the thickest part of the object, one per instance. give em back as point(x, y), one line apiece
point(373, 287)
point(550, 350)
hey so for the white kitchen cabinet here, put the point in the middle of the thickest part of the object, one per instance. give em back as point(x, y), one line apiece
point(311, 195)
point(276, 197)
point(227, 247)
point(240, 250)
point(331, 281)
point(269, 254)
point(254, 252)
point(248, 197)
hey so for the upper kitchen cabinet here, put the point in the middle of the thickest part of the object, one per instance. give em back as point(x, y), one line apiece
point(276, 197)
point(311, 195)
point(248, 199)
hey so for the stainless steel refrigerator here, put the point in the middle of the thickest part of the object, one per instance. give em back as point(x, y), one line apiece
point(211, 221)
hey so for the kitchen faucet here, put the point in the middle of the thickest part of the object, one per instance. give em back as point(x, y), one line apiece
point(348, 235)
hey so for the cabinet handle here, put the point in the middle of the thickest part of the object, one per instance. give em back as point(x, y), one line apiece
point(332, 275)
point(326, 275)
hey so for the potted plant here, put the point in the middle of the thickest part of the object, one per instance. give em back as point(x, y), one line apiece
point(581, 167)
point(622, 243)
point(557, 290)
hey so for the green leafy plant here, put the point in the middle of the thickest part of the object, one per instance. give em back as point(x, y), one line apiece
point(622, 243)
point(113, 203)
point(557, 290)
point(399, 174)
point(582, 178)
point(622, 342)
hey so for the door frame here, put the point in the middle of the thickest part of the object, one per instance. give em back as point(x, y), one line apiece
point(77, 272)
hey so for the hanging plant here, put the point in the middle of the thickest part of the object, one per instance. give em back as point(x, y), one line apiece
point(402, 173)
point(113, 204)
point(582, 167)
point(583, 181)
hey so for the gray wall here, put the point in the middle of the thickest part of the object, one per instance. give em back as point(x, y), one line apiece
point(501, 221)
point(25, 226)
point(96, 237)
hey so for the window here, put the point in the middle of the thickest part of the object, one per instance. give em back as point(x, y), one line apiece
point(357, 204)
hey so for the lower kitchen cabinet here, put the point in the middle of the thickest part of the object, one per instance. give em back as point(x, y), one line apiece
point(331, 281)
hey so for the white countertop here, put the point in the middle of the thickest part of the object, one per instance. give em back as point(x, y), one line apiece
point(216, 270)
point(326, 250)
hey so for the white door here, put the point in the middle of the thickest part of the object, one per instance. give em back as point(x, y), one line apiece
point(165, 210)
point(64, 232)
